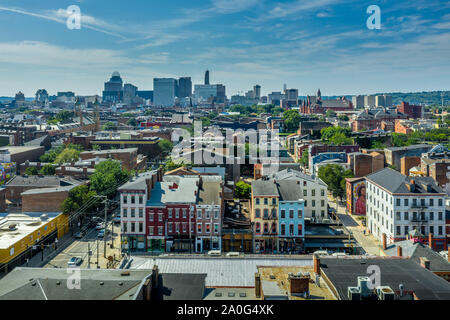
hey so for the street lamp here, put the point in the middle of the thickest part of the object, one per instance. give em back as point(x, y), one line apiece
point(106, 220)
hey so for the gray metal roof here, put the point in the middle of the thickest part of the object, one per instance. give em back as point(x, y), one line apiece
point(225, 272)
point(166, 191)
point(395, 182)
point(290, 174)
point(264, 188)
point(289, 190)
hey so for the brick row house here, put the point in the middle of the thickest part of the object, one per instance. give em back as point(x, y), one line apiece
point(180, 213)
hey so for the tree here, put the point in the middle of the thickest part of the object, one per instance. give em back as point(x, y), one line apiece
point(132, 122)
point(291, 120)
point(165, 145)
point(305, 158)
point(67, 155)
point(334, 176)
point(171, 165)
point(96, 147)
point(242, 190)
point(330, 113)
point(109, 126)
point(108, 176)
point(343, 117)
point(77, 197)
point(47, 170)
point(31, 171)
point(378, 145)
point(336, 135)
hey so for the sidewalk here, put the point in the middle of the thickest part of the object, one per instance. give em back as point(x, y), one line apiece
point(114, 252)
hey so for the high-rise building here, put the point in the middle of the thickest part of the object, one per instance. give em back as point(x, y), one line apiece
point(358, 101)
point(164, 92)
point(129, 92)
point(369, 101)
point(207, 77)
point(257, 91)
point(113, 88)
point(41, 96)
point(20, 97)
point(387, 100)
point(210, 93)
point(184, 87)
point(379, 101)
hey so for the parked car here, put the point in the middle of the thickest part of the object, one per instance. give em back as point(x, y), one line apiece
point(74, 262)
point(101, 233)
point(79, 235)
point(100, 226)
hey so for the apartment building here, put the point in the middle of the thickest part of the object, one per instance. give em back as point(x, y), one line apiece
point(312, 189)
point(397, 204)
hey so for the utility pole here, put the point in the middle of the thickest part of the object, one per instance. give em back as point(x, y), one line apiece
point(89, 256)
point(106, 220)
point(98, 266)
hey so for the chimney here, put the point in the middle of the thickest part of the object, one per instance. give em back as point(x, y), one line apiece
point(85, 172)
point(257, 285)
point(430, 240)
point(384, 241)
point(149, 188)
point(316, 261)
point(424, 262)
point(298, 284)
point(155, 276)
point(399, 251)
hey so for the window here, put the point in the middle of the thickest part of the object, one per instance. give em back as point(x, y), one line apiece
point(160, 231)
point(399, 231)
point(440, 202)
point(216, 228)
point(300, 214)
point(313, 203)
point(283, 214)
point(414, 202)
point(291, 229)
point(431, 216)
point(266, 213)
point(406, 230)
point(266, 201)
point(151, 217)
point(313, 192)
point(398, 216)
point(199, 214)
point(322, 203)
point(283, 229)
point(208, 214)
point(151, 230)
point(141, 227)
point(170, 213)
point(191, 213)
point(258, 213)
point(291, 214)
point(133, 227)
point(132, 199)
point(274, 213)
point(440, 216)
point(322, 193)
point(266, 227)
point(397, 202)
point(257, 200)
point(170, 227)
point(133, 212)
point(304, 183)
point(141, 199)
point(216, 214)
point(440, 230)
point(124, 212)
point(313, 213)
point(208, 228)
point(184, 213)
point(299, 229)
point(258, 228)
point(124, 227)
point(422, 202)
point(125, 199)
point(306, 203)
point(431, 202)
point(274, 201)
point(141, 213)
point(305, 193)
point(199, 228)
point(274, 228)
point(431, 229)
point(177, 213)
point(184, 228)
point(405, 216)
point(160, 217)
point(406, 202)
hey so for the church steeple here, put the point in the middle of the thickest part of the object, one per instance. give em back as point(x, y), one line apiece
point(319, 95)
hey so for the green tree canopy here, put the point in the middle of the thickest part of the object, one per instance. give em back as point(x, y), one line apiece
point(109, 126)
point(166, 146)
point(291, 120)
point(67, 155)
point(77, 197)
point(242, 190)
point(334, 176)
point(336, 136)
point(47, 170)
point(31, 171)
point(108, 177)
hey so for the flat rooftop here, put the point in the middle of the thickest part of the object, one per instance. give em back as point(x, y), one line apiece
point(25, 223)
point(16, 150)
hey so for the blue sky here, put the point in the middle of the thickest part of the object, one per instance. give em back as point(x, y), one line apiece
point(306, 44)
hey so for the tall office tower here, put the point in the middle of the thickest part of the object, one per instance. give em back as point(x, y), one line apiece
point(113, 88)
point(257, 91)
point(291, 95)
point(379, 101)
point(184, 87)
point(164, 92)
point(369, 101)
point(387, 100)
point(207, 77)
point(208, 93)
point(129, 93)
point(358, 101)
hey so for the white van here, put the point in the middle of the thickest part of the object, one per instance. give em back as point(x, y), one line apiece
point(233, 254)
point(214, 253)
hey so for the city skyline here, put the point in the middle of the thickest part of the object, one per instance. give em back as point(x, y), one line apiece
point(305, 44)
